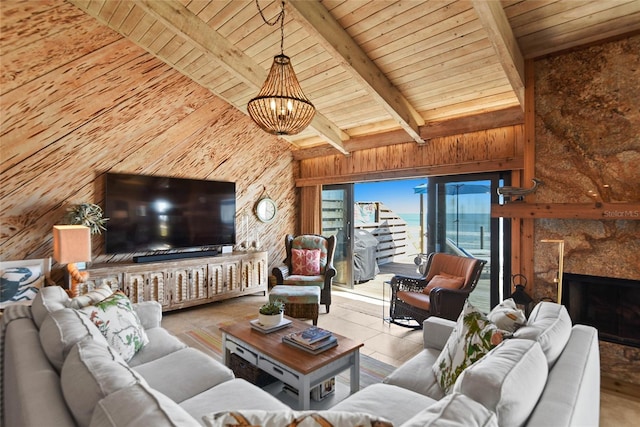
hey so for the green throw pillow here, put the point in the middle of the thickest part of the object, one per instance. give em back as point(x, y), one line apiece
point(473, 336)
point(117, 320)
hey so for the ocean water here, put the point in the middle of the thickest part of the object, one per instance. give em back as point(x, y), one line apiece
point(466, 232)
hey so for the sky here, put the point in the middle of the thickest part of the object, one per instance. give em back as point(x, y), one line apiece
point(399, 196)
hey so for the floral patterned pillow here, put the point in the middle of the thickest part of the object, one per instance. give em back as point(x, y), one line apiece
point(507, 316)
point(473, 336)
point(115, 318)
point(305, 262)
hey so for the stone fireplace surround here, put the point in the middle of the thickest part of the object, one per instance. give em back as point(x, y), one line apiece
point(586, 136)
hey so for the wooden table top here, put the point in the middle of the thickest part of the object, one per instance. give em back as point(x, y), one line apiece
point(271, 345)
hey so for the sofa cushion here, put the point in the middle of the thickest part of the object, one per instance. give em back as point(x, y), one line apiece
point(508, 380)
point(149, 313)
point(398, 406)
point(91, 297)
point(140, 405)
point(117, 320)
point(454, 410)
point(61, 330)
point(287, 417)
point(550, 325)
point(174, 375)
point(48, 300)
point(507, 316)
point(225, 397)
point(20, 285)
point(416, 374)
point(571, 395)
point(161, 343)
point(29, 381)
point(473, 336)
point(91, 372)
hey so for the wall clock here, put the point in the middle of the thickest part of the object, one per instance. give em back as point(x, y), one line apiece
point(266, 209)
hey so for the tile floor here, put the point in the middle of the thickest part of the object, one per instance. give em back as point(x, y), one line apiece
point(360, 318)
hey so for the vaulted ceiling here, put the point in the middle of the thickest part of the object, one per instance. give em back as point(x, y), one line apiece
point(377, 71)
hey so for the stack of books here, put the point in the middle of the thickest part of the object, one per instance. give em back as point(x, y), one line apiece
point(314, 340)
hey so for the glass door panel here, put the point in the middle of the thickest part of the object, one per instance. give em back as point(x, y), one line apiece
point(337, 219)
point(464, 227)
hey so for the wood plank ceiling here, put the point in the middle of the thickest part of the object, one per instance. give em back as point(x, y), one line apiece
point(377, 71)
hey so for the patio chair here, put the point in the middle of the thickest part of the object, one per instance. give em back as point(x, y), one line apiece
point(322, 277)
point(441, 291)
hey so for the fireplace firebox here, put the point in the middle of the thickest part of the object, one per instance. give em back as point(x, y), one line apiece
point(610, 305)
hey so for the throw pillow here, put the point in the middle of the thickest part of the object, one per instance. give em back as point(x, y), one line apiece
point(260, 418)
point(91, 297)
point(507, 316)
point(444, 281)
point(90, 372)
point(305, 262)
point(20, 285)
point(119, 323)
point(473, 336)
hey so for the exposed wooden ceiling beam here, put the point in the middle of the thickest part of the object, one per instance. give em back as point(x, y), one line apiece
point(316, 20)
point(495, 22)
point(177, 17)
point(495, 119)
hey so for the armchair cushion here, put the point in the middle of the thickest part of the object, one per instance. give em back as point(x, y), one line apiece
point(305, 262)
point(309, 241)
point(416, 299)
point(297, 279)
point(444, 280)
point(452, 265)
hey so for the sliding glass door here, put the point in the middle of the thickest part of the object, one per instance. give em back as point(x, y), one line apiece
point(459, 222)
point(337, 220)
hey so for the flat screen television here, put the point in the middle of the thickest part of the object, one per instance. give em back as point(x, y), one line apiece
point(155, 213)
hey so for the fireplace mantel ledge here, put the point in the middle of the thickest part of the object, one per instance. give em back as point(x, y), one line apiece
point(602, 211)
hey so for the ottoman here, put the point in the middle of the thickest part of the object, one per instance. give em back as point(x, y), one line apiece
point(299, 301)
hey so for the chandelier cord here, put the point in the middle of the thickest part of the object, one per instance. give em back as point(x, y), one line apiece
point(278, 18)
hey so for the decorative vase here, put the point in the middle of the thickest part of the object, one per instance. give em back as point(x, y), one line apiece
point(268, 320)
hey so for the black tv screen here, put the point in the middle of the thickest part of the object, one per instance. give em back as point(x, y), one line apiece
point(155, 213)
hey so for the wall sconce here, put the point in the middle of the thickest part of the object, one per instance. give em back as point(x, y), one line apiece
point(558, 279)
point(71, 245)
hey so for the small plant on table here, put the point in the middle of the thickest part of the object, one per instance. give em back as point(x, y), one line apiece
point(271, 313)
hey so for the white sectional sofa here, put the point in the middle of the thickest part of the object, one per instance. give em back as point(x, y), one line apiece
point(57, 370)
point(548, 374)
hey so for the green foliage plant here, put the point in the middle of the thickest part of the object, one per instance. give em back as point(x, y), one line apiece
point(272, 308)
point(87, 214)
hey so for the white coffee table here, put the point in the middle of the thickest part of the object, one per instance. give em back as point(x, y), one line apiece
point(297, 368)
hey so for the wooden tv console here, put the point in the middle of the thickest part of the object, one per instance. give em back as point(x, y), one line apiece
point(185, 282)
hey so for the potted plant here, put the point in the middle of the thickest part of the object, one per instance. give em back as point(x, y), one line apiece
point(271, 313)
point(87, 214)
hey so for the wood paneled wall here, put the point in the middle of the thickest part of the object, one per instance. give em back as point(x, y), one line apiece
point(488, 150)
point(78, 100)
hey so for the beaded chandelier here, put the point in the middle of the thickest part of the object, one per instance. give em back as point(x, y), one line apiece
point(281, 108)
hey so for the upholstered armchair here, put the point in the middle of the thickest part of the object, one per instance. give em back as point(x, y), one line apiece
point(309, 262)
point(441, 291)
